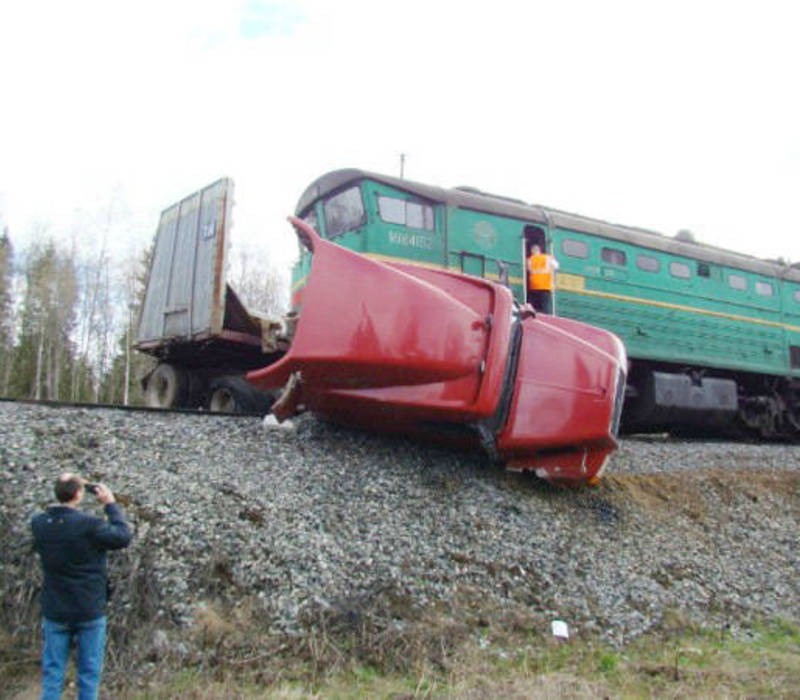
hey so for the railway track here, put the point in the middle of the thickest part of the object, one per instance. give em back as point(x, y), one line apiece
point(129, 409)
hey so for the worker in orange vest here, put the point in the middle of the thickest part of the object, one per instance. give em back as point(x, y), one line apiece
point(541, 280)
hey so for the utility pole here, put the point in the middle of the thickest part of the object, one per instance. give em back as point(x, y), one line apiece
point(402, 165)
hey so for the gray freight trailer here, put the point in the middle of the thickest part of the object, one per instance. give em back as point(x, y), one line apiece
point(192, 321)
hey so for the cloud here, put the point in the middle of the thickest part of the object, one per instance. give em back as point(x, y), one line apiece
point(260, 19)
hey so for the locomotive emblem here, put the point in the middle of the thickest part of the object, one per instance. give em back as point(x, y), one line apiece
point(485, 235)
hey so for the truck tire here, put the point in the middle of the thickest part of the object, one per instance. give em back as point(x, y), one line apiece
point(233, 394)
point(167, 387)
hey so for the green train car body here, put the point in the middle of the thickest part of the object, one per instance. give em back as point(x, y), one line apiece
point(713, 335)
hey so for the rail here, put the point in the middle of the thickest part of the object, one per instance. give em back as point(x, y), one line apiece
point(130, 409)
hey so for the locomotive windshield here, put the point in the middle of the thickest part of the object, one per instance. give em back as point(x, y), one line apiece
point(344, 212)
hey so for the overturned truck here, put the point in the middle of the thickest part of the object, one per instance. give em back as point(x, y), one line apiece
point(396, 348)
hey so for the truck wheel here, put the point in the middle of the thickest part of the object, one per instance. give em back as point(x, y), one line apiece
point(167, 387)
point(232, 395)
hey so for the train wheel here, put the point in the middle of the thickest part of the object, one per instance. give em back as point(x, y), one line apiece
point(167, 387)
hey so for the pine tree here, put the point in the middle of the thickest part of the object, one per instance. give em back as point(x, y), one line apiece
point(44, 356)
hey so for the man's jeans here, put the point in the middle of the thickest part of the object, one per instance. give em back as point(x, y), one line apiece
point(90, 638)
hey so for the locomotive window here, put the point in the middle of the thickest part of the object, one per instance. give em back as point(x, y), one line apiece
point(391, 210)
point(703, 270)
point(679, 269)
point(764, 289)
point(400, 211)
point(575, 249)
point(614, 256)
point(797, 295)
point(648, 263)
point(737, 282)
point(419, 216)
point(344, 212)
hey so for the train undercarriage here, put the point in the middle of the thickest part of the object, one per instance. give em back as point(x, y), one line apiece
point(687, 401)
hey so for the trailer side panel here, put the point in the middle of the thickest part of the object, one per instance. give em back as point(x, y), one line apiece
point(185, 295)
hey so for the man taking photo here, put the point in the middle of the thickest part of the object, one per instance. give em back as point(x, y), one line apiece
point(72, 549)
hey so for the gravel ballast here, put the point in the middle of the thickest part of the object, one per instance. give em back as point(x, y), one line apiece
point(312, 518)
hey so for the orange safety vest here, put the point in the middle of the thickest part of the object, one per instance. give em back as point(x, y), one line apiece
point(541, 269)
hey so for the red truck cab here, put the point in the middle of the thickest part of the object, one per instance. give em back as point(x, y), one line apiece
point(451, 358)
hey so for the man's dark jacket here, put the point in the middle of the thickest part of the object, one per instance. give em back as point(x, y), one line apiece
point(72, 548)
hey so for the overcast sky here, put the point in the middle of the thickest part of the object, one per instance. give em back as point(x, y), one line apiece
point(665, 115)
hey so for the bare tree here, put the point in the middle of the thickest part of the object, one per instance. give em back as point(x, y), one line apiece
point(121, 380)
point(261, 287)
point(99, 313)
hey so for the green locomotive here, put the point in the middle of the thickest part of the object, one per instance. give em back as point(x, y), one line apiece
point(713, 336)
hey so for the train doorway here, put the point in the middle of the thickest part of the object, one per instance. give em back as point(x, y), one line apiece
point(539, 268)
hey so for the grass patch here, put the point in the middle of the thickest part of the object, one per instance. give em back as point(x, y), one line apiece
point(760, 661)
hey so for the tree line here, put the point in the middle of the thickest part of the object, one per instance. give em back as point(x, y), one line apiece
point(68, 318)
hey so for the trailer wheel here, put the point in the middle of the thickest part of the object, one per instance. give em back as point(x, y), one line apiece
point(234, 395)
point(167, 387)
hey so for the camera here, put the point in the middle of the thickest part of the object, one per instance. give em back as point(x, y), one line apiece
point(91, 488)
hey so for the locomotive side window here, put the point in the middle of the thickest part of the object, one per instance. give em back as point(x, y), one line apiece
point(391, 210)
point(575, 249)
point(400, 211)
point(648, 263)
point(679, 269)
point(614, 256)
point(344, 212)
point(703, 270)
point(737, 282)
point(797, 295)
point(764, 289)
point(419, 216)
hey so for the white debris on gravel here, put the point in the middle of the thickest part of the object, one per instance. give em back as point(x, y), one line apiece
point(320, 518)
point(271, 423)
